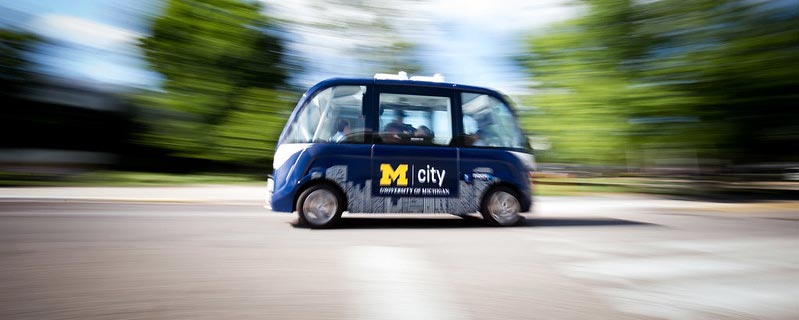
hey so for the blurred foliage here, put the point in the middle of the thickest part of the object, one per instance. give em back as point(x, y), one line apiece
point(223, 71)
point(124, 178)
point(250, 133)
point(397, 56)
point(703, 79)
point(14, 63)
point(378, 35)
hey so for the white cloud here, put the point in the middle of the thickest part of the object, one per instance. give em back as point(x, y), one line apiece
point(95, 51)
point(84, 32)
point(505, 15)
point(471, 41)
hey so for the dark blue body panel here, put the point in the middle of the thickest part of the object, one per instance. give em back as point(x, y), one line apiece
point(505, 168)
point(353, 168)
point(312, 163)
point(387, 178)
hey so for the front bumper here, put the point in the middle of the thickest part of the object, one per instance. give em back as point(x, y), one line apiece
point(270, 189)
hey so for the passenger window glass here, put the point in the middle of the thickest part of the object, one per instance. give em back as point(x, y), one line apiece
point(333, 115)
point(488, 122)
point(415, 119)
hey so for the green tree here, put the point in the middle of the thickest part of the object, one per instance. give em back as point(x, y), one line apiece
point(717, 79)
point(375, 36)
point(15, 67)
point(212, 55)
point(586, 88)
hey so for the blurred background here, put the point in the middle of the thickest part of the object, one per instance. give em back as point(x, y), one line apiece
point(662, 96)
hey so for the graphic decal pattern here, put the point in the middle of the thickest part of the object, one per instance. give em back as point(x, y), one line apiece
point(360, 199)
point(408, 178)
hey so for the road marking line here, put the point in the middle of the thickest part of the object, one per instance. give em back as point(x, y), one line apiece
point(698, 279)
point(655, 268)
point(750, 297)
point(397, 283)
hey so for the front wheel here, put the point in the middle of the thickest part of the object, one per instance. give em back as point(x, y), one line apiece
point(501, 207)
point(319, 206)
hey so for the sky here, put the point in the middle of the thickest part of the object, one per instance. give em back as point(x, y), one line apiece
point(470, 41)
point(96, 40)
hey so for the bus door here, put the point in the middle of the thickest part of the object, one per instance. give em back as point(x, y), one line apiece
point(414, 168)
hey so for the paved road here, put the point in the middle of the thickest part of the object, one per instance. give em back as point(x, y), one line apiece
point(576, 258)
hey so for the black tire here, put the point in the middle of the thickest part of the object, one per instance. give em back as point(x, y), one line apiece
point(320, 206)
point(501, 207)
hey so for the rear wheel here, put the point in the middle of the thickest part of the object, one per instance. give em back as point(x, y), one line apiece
point(320, 206)
point(501, 207)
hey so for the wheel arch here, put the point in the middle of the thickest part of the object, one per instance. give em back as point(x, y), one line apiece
point(341, 195)
point(525, 203)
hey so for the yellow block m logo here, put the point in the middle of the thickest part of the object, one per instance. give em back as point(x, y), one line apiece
point(389, 174)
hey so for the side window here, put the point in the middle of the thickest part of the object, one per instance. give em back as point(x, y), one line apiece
point(488, 122)
point(415, 119)
point(333, 115)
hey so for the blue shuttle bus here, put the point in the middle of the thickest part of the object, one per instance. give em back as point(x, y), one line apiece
point(393, 144)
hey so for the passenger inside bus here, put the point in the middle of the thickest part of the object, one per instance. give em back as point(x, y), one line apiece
point(424, 135)
point(399, 123)
point(392, 133)
point(397, 130)
point(476, 139)
point(342, 129)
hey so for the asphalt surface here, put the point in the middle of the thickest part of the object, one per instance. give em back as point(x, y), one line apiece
point(574, 258)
